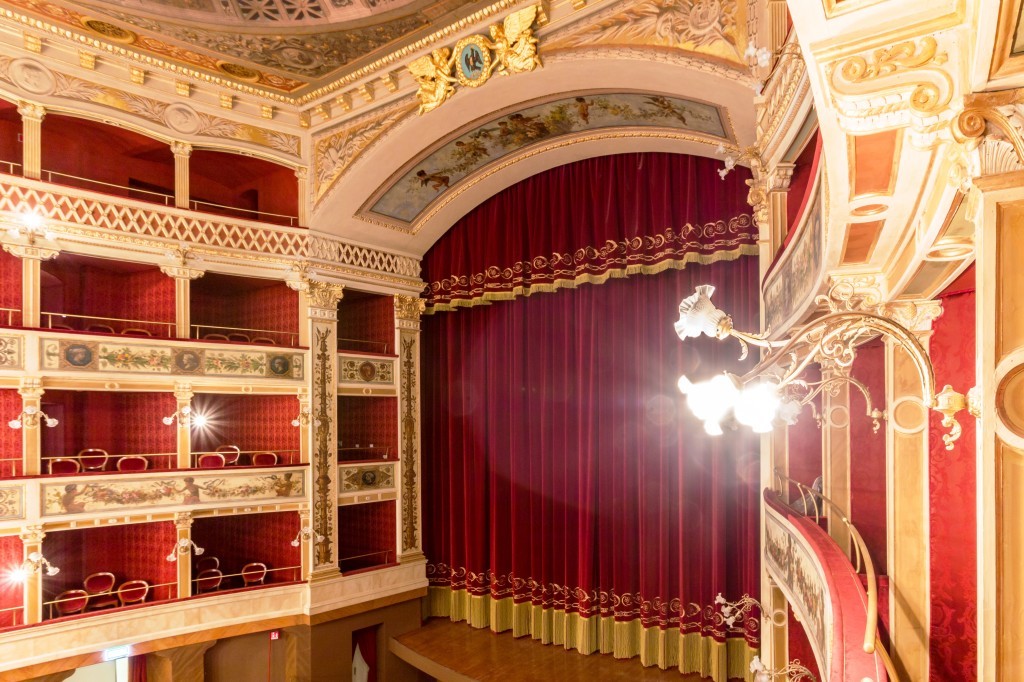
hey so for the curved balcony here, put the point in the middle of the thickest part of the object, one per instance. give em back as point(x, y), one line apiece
point(825, 588)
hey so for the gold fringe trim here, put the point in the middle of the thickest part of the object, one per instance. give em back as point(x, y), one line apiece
point(689, 652)
point(613, 273)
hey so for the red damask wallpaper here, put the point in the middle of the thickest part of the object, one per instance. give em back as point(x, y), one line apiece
point(131, 552)
point(238, 540)
point(366, 317)
point(10, 591)
point(10, 439)
point(10, 286)
point(954, 643)
point(226, 301)
point(252, 422)
point(867, 454)
point(362, 421)
point(366, 528)
point(805, 441)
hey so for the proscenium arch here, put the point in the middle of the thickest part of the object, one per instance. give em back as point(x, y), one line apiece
point(413, 137)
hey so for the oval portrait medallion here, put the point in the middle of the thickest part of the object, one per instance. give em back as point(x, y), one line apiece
point(473, 61)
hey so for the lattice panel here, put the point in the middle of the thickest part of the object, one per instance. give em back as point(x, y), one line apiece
point(164, 224)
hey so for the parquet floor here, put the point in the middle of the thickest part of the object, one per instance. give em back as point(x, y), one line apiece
point(455, 652)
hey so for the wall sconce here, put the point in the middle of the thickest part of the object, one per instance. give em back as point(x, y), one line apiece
point(773, 391)
point(760, 58)
point(305, 534)
point(182, 546)
point(731, 160)
point(184, 417)
point(303, 418)
point(33, 564)
point(794, 671)
point(32, 227)
point(29, 418)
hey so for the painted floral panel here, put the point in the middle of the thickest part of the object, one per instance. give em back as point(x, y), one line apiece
point(12, 502)
point(12, 354)
point(92, 495)
point(79, 354)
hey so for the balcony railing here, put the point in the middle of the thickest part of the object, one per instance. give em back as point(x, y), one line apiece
point(268, 337)
point(245, 457)
point(154, 461)
point(12, 617)
point(10, 466)
point(96, 323)
point(813, 505)
point(362, 345)
point(8, 315)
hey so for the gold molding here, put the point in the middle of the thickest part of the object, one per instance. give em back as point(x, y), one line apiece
point(1004, 62)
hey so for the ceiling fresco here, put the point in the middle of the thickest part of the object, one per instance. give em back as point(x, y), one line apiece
point(422, 184)
point(309, 42)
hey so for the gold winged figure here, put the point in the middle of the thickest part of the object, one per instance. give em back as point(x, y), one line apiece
point(515, 48)
point(433, 72)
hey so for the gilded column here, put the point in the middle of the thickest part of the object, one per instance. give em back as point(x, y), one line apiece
point(32, 542)
point(32, 139)
point(407, 340)
point(182, 151)
point(302, 176)
point(31, 257)
point(183, 276)
point(907, 452)
point(31, 393)
point(183, 396)
point(835, 448)
point(183, 553)
point(322, 323)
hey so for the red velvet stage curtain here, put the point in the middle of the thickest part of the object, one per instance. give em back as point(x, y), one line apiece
point(954, 552)
point(137, 668)
point(568, 492)
point(588, 221)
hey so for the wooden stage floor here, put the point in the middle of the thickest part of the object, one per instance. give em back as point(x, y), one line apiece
point(455, 652)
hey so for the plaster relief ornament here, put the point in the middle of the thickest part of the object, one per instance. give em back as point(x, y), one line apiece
point(510, 49)
point(32, 76)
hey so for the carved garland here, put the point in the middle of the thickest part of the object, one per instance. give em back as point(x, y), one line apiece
point(323, 517)
point(410, 504)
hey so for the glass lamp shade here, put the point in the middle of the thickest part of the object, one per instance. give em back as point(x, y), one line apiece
point(757, 405)
point(710, 401)
point(698, 315)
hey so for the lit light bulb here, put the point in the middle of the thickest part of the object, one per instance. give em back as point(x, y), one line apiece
point(750, 52)
point(52, 570)
point(18, 575)
point(51, 422)
point(14, 423)
point(757, 405)
point(199, 421)
point(711, 400)
point(168, 420)
point(32, 221)
point(712, 428)
point(789, 412)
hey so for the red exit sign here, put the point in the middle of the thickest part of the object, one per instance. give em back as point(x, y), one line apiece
point(275, 634)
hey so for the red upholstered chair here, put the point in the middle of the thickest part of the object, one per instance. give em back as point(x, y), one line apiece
point(239, 337)
point(64, 327)
point(70, 602)
point(264, 459)
point(215, 337)
point(106, 328)
point(132, 463)
point(206, 563)
point(264, 340)
point(136, 331)
point(93, 459)
point(100, 586)
point(254, 573)
point(231, 453)
point(64, 465)
point(209, 580)
point(210, 460)
point(133, 592)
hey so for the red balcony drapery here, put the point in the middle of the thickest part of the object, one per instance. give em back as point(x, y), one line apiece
point(568, 493)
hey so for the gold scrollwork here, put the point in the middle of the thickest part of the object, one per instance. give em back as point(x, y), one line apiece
point(885, 69)
point(514, 50)
point(981, 111)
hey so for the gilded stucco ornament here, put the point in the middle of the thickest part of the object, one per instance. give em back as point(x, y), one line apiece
point(989, 124)
point(877, 88)
point(510, 49)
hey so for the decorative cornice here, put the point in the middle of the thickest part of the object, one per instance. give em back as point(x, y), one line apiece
point(409, 308)
point(324, 295)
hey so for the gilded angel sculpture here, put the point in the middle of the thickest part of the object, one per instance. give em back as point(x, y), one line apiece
point(515, 48)
point(433, 73)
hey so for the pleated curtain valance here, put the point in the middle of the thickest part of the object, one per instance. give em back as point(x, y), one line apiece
point(610, 216)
